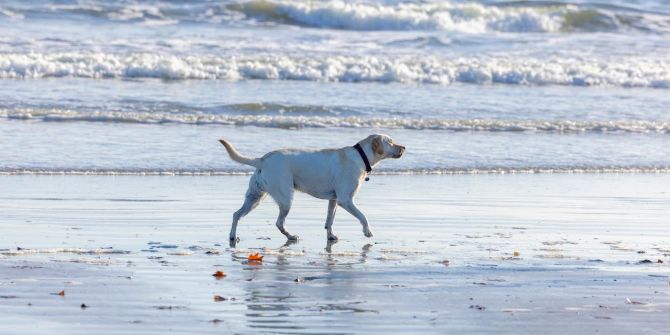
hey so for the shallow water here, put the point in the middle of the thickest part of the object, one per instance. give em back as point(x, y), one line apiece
point(140, 252)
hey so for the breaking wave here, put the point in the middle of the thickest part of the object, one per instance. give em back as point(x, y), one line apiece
point(503, 16)
point(297, 122)
point(514, 16)
point(634, 71)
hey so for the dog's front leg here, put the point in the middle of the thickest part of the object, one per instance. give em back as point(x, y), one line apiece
point(350, 207)
point(332, 206)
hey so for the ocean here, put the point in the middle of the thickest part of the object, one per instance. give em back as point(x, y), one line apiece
point(147, 87)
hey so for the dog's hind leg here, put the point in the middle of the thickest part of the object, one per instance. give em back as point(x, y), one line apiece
point(349, 206)
point(284, 201)
point(332, 206)
point(252, 198)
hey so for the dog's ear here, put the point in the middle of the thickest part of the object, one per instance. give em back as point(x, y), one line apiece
point(377, 146)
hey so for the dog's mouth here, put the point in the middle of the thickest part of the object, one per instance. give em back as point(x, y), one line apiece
point(401, 150)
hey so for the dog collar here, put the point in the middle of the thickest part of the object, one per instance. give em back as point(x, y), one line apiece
point(368, 168)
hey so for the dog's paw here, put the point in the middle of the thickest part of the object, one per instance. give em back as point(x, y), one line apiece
point(367, 233)
point(293, 237)
point(332, 237)
point(234, 238)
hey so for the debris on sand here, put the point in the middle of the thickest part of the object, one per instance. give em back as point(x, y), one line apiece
point(169, 307)
point(255, 258)
point(61, 293)
point(633, 302)
point(219, 274)
point(478, 307)
point(218, 298)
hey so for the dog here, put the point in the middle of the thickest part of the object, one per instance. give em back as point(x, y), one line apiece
point(330, 174)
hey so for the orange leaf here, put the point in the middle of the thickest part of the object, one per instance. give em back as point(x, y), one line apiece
point(219, 274)
point(218, 298)
point(62, 293)
point(255, 257)
point(516, 254)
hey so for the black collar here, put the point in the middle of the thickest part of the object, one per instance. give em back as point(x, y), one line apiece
point(368, 168)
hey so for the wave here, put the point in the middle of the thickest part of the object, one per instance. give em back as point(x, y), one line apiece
point(381, 171)
point(633, 71)
point(297, 122)
point(510, 16)
point(516, 16)
point(503, 16)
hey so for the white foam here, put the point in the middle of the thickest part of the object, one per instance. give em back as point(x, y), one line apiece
point(463, 17)
point(296, 122)
point(81, 251)
point(634, 71)
point(12, 15)
point(459, 16)
point(381, 171)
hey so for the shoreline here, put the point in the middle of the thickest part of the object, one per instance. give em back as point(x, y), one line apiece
point(379, 172)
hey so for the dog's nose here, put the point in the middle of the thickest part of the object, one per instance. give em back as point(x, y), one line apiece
point(401, 150)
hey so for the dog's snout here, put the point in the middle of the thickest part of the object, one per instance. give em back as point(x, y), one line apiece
point(401, 150)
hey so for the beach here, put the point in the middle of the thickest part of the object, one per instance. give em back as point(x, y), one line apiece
point(532, 196)
point(471, 253)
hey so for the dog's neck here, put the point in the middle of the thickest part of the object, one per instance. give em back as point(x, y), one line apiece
point(364, 157)
point(372, 158)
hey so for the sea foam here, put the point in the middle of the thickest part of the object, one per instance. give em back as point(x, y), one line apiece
point(474, 18)
point(633, 71)
point(517, 17)
point(577, 169)
point(368, 15)
point(296, 122)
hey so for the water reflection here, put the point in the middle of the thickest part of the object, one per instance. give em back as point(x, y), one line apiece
point(291, 292)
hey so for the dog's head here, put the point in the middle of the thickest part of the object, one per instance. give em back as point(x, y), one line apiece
point(383, 146)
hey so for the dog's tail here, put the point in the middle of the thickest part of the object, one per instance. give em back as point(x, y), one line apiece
point(235, 155)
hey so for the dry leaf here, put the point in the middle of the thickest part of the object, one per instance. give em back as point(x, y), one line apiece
point(255, 257)
point(517, 254)
point(218, 298)
point(62, 293)
point(219, 274)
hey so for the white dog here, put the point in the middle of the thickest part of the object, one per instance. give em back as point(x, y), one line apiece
point(331, 174)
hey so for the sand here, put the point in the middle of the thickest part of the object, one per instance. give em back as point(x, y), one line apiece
point(550, 253)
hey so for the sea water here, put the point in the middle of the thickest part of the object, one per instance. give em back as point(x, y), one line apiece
point(148, 87)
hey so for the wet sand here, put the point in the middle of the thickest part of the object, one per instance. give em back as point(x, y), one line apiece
point(550, 253)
